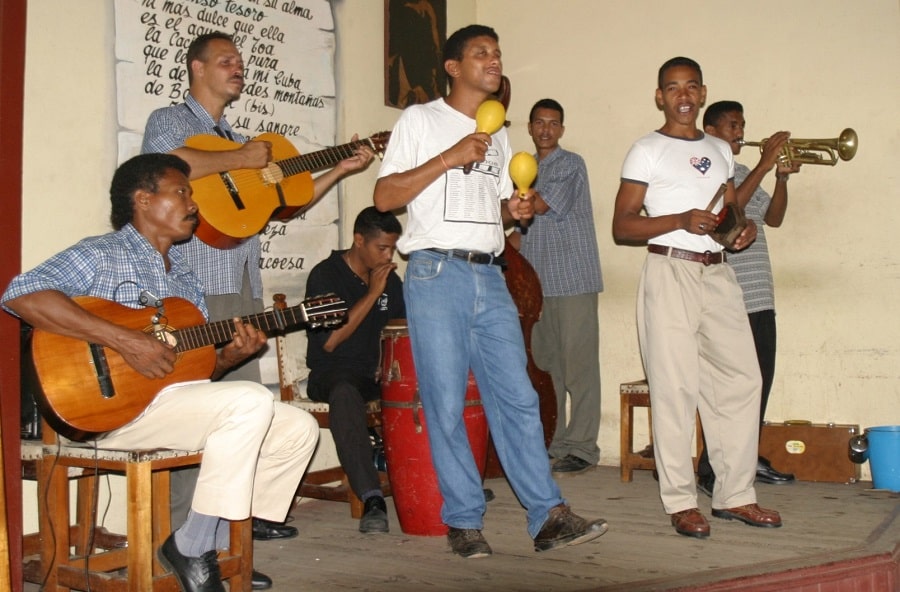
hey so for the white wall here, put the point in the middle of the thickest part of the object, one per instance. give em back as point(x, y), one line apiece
point(811, 66)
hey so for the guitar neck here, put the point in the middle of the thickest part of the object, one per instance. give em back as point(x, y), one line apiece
point(218, 332)
point(321, 159)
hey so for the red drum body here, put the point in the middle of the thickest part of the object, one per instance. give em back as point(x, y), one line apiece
point(414, 485)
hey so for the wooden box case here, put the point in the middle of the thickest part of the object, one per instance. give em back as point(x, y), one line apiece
point(812, 452)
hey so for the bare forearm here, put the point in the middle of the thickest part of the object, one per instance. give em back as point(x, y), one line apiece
point(778, 206)
point(326, 181)
point(355, 317)
point(634, 228)
point(55, 312)
point(745, 190)
point(205, 162)
point(398, 189)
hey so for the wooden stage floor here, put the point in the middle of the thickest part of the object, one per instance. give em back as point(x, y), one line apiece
point(824, 525)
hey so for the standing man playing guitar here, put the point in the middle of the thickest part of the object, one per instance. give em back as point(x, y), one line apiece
point(215, 68)
point(255, 449)
point(231, 277)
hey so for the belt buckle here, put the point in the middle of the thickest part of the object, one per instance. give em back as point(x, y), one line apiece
point(707, 258)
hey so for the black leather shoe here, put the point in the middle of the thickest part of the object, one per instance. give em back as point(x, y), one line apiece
point(564, 527)
point(260, 581)
point(264, 530)
point(571, 465)
point(766, 474)
point(194, 574)
point(374, 518)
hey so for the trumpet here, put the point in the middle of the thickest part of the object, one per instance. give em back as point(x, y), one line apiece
point(814, 151)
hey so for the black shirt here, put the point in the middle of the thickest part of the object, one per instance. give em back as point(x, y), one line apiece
point(360, 353)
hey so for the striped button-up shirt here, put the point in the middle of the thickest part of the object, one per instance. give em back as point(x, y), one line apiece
point(220, 270)
point(561, 244)
point(117, 266)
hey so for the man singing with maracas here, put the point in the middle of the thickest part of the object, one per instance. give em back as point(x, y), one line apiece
point(460, 313)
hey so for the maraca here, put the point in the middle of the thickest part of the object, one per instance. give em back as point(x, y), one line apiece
point(489, 118)
point(523, 169)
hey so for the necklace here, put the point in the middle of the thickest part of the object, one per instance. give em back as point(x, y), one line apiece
point(362, 278)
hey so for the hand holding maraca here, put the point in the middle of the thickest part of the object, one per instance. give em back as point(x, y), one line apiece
point(523, 170)
point(489, 118)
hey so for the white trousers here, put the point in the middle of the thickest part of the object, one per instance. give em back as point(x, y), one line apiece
point(698, 354)
point(255, 450)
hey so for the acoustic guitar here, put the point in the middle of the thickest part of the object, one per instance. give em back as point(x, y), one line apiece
point(87, 389)
point(237, 204)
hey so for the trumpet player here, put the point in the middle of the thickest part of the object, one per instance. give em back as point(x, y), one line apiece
point(725, 120)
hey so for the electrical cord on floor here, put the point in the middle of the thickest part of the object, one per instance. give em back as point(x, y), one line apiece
point(45, 495)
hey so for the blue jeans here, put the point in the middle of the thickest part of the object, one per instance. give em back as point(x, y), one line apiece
point(461, 316)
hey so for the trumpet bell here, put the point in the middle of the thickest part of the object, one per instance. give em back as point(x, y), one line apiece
point(847, 143)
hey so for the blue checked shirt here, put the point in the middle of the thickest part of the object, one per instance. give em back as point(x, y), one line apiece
point(115, 266)
point(220, 270)
point(561, 244)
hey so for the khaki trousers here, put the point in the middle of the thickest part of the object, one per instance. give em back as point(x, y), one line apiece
point(566, 343)
point(255, 450)
point(698, 354)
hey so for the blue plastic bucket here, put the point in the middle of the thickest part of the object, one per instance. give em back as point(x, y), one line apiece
point(884, 456)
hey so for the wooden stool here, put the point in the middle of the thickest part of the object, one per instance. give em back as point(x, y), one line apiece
point(332, 483)
point(32, 452)
point(105, 562)
point(637, 394)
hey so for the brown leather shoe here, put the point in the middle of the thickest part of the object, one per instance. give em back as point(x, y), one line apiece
point(691, 523)
point(751, 514)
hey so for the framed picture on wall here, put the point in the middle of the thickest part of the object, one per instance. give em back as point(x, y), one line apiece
point(414, 36)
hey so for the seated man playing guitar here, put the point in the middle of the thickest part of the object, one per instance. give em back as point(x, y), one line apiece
point(255, 449)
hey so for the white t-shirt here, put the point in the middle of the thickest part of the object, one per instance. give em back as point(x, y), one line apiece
point(458, 210)
point(680, 175)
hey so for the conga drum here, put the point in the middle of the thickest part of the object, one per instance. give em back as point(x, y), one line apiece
point(414, 485)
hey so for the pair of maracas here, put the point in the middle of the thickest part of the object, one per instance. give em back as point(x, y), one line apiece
point(523, 168)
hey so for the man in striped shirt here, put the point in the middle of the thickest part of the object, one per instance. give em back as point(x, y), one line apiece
point(725, 120)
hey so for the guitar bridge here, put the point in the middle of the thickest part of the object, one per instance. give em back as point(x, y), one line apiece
point(104, 378)
point(232, 190)
point(272, 174)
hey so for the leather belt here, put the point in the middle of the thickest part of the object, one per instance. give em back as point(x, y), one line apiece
point(707, 258)
point(471, 256)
